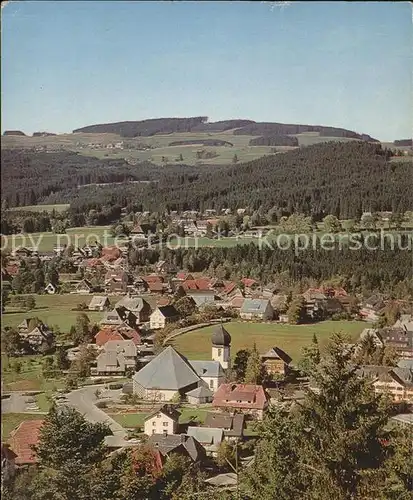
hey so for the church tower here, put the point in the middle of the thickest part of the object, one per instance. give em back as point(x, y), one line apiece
point(221, 346)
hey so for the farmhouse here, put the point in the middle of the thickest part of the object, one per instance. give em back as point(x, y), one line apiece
point(276, 361)
point(396, 381)
point(116, 281)
point(83, 287)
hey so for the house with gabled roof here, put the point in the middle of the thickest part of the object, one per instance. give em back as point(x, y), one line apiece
point(253, 309)
point(276, 361)
point(210, 438)
point(165, 421)
point(118, 317)
point(99, 303)
point(180, 444)
point(116, 281)
point(116, 358)
point(138, 306)
point(83, 287)
point(22, 440)
point(247, 398)
point(231, 423)
point(163, 315)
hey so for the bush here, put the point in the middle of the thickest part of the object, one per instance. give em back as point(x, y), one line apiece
point(101, 404)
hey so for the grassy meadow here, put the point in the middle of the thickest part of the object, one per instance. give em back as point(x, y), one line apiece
point(62, 207)
point(54, 310)
point(291, 338)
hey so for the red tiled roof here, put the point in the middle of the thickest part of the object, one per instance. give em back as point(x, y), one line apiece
point(184, 276)
point(243, 396)
point(133, 335)
point(152, 278)
point(248, 282)
point(111, 253)
point(155, 286)
point(23, 438)
point(198, 284)
point(229, 287)
point(163, 301)
point(107, 334)
point(237, 302)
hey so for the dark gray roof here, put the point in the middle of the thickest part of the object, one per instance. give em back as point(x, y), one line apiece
point(168, 311)
point(169, 371)
point(220, 336)
point(277, 353)
point(233, 425)
point(168, 410)
point(172, 442)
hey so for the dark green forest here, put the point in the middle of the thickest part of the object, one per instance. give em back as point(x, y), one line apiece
point(343, 179)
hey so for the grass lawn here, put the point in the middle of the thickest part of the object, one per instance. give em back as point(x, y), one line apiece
point(45, 242)
point(30, 377)
point(291, 338)
point(54, 310)
point(11, 420)
point(43, 208)
point(129, 420)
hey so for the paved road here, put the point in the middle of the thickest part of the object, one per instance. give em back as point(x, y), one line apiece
point(84, 401)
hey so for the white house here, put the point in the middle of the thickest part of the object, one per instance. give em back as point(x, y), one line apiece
point(163, 421)
point(257, 309)
point(163, 315)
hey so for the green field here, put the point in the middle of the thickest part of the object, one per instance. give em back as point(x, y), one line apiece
point(291, 338)
point(43, 208)
point(54, 310)
point(46, 242)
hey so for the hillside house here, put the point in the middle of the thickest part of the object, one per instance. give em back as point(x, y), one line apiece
point(246, 398)
point(162, 316)
point(395, 381)
point(163, 421)
point(200, 395)
point(99, 303)
point(121, 332)
point(276, 361)
point(253, 309)
point(371, 308)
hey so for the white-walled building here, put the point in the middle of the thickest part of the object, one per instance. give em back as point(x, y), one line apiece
point(164, 421)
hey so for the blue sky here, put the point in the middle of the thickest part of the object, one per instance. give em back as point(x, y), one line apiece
point(71, 64)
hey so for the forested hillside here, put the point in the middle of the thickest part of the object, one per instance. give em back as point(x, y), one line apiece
point(343, 179)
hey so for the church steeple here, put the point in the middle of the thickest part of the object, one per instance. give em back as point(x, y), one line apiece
point(221, 346)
